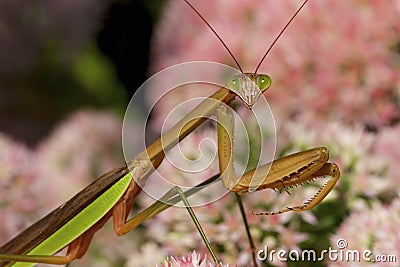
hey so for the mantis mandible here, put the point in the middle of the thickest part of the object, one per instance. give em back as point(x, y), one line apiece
point(75, 222)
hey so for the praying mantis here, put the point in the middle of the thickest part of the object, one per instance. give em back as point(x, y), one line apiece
point(75, 222)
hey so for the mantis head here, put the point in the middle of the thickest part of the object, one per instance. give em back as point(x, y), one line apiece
point(249, 86)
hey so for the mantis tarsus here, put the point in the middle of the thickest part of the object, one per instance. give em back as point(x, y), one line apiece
point(75, 222)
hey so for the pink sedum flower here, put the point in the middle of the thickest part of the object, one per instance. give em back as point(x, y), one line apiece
point(389, 153)
point(68, 153)
point(192, 260)
point(15, 172)
point(370, 228)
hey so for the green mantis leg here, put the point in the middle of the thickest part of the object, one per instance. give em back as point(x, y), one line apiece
point(173, 196)
point(196, 222)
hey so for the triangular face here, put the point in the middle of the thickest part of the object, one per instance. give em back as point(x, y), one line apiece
point(249, 86)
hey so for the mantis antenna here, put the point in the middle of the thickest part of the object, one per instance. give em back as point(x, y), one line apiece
point(230, 52)
point(279, 35)
point(215, 33)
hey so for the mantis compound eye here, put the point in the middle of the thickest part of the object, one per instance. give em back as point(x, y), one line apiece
point(234, 84)
point(263, 82)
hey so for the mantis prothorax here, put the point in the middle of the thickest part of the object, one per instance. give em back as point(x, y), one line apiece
point(75, 222)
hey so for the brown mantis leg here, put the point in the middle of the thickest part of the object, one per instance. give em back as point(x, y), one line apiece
point(225, 129)
point(78, 248)
point(121, 210)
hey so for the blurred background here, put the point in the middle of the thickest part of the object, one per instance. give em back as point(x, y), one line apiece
point(58, 57)
point(68, 69)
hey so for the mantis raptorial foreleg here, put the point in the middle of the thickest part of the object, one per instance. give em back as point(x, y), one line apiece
point(291, 171)
point(315, 170)
point(283, 173)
